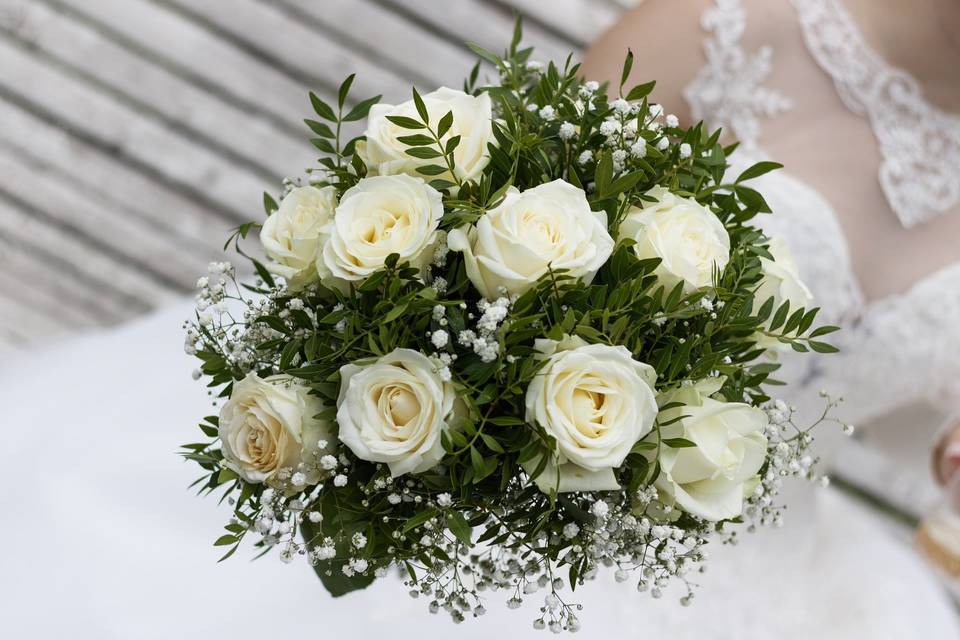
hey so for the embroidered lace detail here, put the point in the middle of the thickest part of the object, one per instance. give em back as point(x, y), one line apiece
point(898, 350)
point(919, 144)
point(902, 350)
point(727, 92)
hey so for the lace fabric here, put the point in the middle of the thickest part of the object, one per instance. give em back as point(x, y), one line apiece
point(919, 144)
point(728, 91)
point(897, 350)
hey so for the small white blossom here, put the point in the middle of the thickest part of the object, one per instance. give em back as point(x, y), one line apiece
point(685, 150)
point(600, 509)
point(566, 131)
point(444, 500)
point(340, 480)
point(621, 106)
point(440, 338)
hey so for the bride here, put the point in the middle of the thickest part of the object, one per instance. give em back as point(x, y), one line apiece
point(101, 539)
point(857, 99)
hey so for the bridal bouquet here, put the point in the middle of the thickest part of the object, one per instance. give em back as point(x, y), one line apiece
point(507, 338)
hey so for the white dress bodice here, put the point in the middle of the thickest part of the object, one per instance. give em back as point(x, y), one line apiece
point(898, 350)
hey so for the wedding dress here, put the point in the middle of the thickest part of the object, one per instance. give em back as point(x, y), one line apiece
point(101, 539)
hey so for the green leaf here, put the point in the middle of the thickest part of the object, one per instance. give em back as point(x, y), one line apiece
point(627, 65)
point(324, 145)
point(406, 123)
point(421, 108)
point(225, 539)
point(451, 145)
point(445, 123)
point(492, 443)
point(321, 108)
point(487, 55)
point(641, 90)
point(288, 353)
point(758, 170)
point(824, 330)
point(319, 128)
point(361, 110)
point(425, 153)
point(336, 583)
point(432, 170)
point(458, 526)
point(226, 475)
point(752, 198)
point(416, 140)
point(263, 273)
point(344, 90)
point(678, 443)
point(269, 204)
point(440, 185)
point(822, 347)
point(780, 316)
point(418, 519)
point(517, 33)
point(604, 173)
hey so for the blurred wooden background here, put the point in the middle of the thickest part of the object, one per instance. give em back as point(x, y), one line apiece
point(135, 133)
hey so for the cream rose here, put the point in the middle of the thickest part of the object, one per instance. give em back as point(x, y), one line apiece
point(377, 217)
point(514, 244)
point(394, 410)
point(710, 480)
point(384, 154)
point(597, 401)
point(781, 281)
point(687, 237)
point(269, 424)
point(291, 235)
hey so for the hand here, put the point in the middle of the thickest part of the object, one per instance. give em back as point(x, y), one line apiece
point(946, 455)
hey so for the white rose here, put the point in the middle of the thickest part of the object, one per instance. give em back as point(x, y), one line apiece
point(781, 281)
point(514, 244)
point(385, 155)
point(269, 424)
point(394, 411)
point(711, 479)
point(377, 217)
point(687, 237)
point(597, 401)
point(291, 235)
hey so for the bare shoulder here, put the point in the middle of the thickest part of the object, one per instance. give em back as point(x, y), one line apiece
point(665, 37)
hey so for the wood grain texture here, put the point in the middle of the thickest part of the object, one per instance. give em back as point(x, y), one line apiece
point(136, 133)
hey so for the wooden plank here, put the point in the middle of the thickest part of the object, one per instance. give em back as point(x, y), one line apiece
point(179, 105)
point(93, 171)
point(189, 51)
point(63, 252)
point(57, 96)
point(577, 21)
point(170, 262)
point(307, 56)
point(22, 288)
point(412, 52)
point(488, 25)
point(71, 288)
point(25, 326)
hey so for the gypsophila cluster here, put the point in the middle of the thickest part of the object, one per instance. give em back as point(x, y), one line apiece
point(465, 361)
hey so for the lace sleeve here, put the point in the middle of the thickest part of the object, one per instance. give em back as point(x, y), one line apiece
point(728, 91)
point(903, 350)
